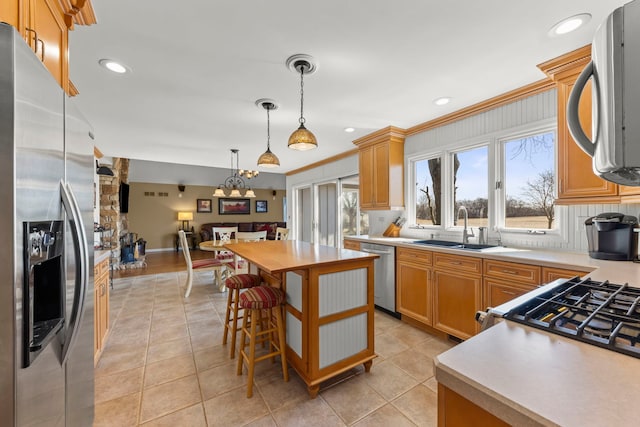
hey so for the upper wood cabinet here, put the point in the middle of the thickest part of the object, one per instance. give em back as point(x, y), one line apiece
point(381, 165)
point(577, 184)
point(44, 25)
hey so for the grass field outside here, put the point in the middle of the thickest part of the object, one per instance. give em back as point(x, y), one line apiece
point(525, 222)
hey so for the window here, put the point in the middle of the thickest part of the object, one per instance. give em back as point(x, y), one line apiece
point(529, 181)
point(354, 222)
point(428, 191)
point(506, 181)
point(470, 183)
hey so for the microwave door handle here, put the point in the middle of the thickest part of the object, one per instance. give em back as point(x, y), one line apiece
point(573, 118)
point(82, 262)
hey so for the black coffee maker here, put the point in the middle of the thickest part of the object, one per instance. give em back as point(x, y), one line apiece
point(610, 236)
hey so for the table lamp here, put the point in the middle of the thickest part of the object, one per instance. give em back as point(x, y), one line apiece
point(185, 217)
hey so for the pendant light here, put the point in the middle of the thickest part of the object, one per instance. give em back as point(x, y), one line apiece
point(268, 159)
point(302, 139)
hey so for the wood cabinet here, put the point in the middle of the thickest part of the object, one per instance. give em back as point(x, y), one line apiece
point(381, 169)
point(550, 274)
point(351, 244)
point(414, 291)
point(457, 285)
point(101, 306)
point(44, 25)
point(577, 184)
point(456, 411)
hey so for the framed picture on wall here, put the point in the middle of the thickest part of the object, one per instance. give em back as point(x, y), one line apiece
point(204, 205)
point(261, 206)
point(234, 206)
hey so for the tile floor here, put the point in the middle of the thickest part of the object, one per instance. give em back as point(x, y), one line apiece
point(164, 366)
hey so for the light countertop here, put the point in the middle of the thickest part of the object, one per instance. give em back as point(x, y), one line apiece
point(596, 269)
point(530, 377)
point(100, 255)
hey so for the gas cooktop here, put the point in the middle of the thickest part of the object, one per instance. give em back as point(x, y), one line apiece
point(598, 313)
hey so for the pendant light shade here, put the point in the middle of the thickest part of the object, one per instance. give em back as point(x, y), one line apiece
point(268, 159)
point(302, 139)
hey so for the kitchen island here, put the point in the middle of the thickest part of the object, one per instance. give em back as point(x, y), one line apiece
point(329, 306)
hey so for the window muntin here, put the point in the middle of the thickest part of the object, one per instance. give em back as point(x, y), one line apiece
point(470, 171)
point(529, 181)
point(428, 191)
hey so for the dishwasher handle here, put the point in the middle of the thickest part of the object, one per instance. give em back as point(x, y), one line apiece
point(373, 251)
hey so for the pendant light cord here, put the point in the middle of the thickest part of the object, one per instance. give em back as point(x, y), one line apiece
point(302, 120)
point(268, 133)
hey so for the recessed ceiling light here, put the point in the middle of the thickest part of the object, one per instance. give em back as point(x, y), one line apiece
point(349, 130)
point(569, 24)
point(114, 66)
point(442, 100)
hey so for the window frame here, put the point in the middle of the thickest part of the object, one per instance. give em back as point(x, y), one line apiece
point(495, 142)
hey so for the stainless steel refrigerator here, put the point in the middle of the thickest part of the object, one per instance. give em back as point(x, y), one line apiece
point(46, 261)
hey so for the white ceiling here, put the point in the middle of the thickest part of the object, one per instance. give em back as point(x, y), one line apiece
point(199, 66)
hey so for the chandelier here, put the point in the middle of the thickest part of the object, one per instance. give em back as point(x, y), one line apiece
point(234, 182)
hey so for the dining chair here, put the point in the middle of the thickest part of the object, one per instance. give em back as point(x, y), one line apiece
point(240, 265)
point(222, 236)
point(282, 233)
point(212, 264)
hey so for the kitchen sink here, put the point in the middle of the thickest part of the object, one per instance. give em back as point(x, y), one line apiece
point(454, 245)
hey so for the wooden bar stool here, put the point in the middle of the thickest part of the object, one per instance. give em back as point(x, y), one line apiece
point(255, 301)
point(234, 284)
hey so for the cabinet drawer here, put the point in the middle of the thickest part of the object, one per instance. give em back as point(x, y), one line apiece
point(498, 292)
point(518, 273)
point(550, 274)
point(457, 262)
point(350, 244)
point(415, 255)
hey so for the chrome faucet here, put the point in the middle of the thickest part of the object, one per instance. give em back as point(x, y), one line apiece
point(465, 231)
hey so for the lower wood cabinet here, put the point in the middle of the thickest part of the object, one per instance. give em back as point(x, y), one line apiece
point(550, 274)
point(498, 292)
point(414, 291)
point(351, 244)
point(456, 411)
point(457, 285)
point(101, 307)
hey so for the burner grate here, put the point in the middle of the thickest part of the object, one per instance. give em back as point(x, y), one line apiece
point(599, 313)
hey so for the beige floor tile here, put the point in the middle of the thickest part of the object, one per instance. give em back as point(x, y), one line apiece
point(221, 379)
point(410, 335)
point(234, 409)
point(117, 412)
point(170, 319)
point(266, 421)
point(310, 413)
point(415, 364)
point(211, 357)
point(109, 387)
point(431, 384)
point(120, 358)
point(169, 397)
point(385, 417)
point(420, 405)
point(168, 333)
point(168, 370)
point(353, 399)
point(193, 416)
point(387, 345)
point(168, 349)
point(171, 311)
point(278, 393)
point(389, 380)
point(434, 346)
point(206, 338)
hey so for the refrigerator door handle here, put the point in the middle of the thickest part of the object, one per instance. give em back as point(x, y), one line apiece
point(82, 266)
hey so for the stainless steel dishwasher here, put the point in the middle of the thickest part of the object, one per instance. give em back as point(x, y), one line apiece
point(384, 277)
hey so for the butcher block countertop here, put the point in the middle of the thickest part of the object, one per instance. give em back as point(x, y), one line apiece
point(275, 256)
point(529, 377)
point(596, 269)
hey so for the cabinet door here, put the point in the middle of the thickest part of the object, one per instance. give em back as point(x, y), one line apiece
point(457, 299)
point(366, 168)
point(97, 342)
point(576, 179)
point(381, 175)
point(414, 296)
point(456, 411)
point(498, 292)
point(550, 274)
point(48, 21)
